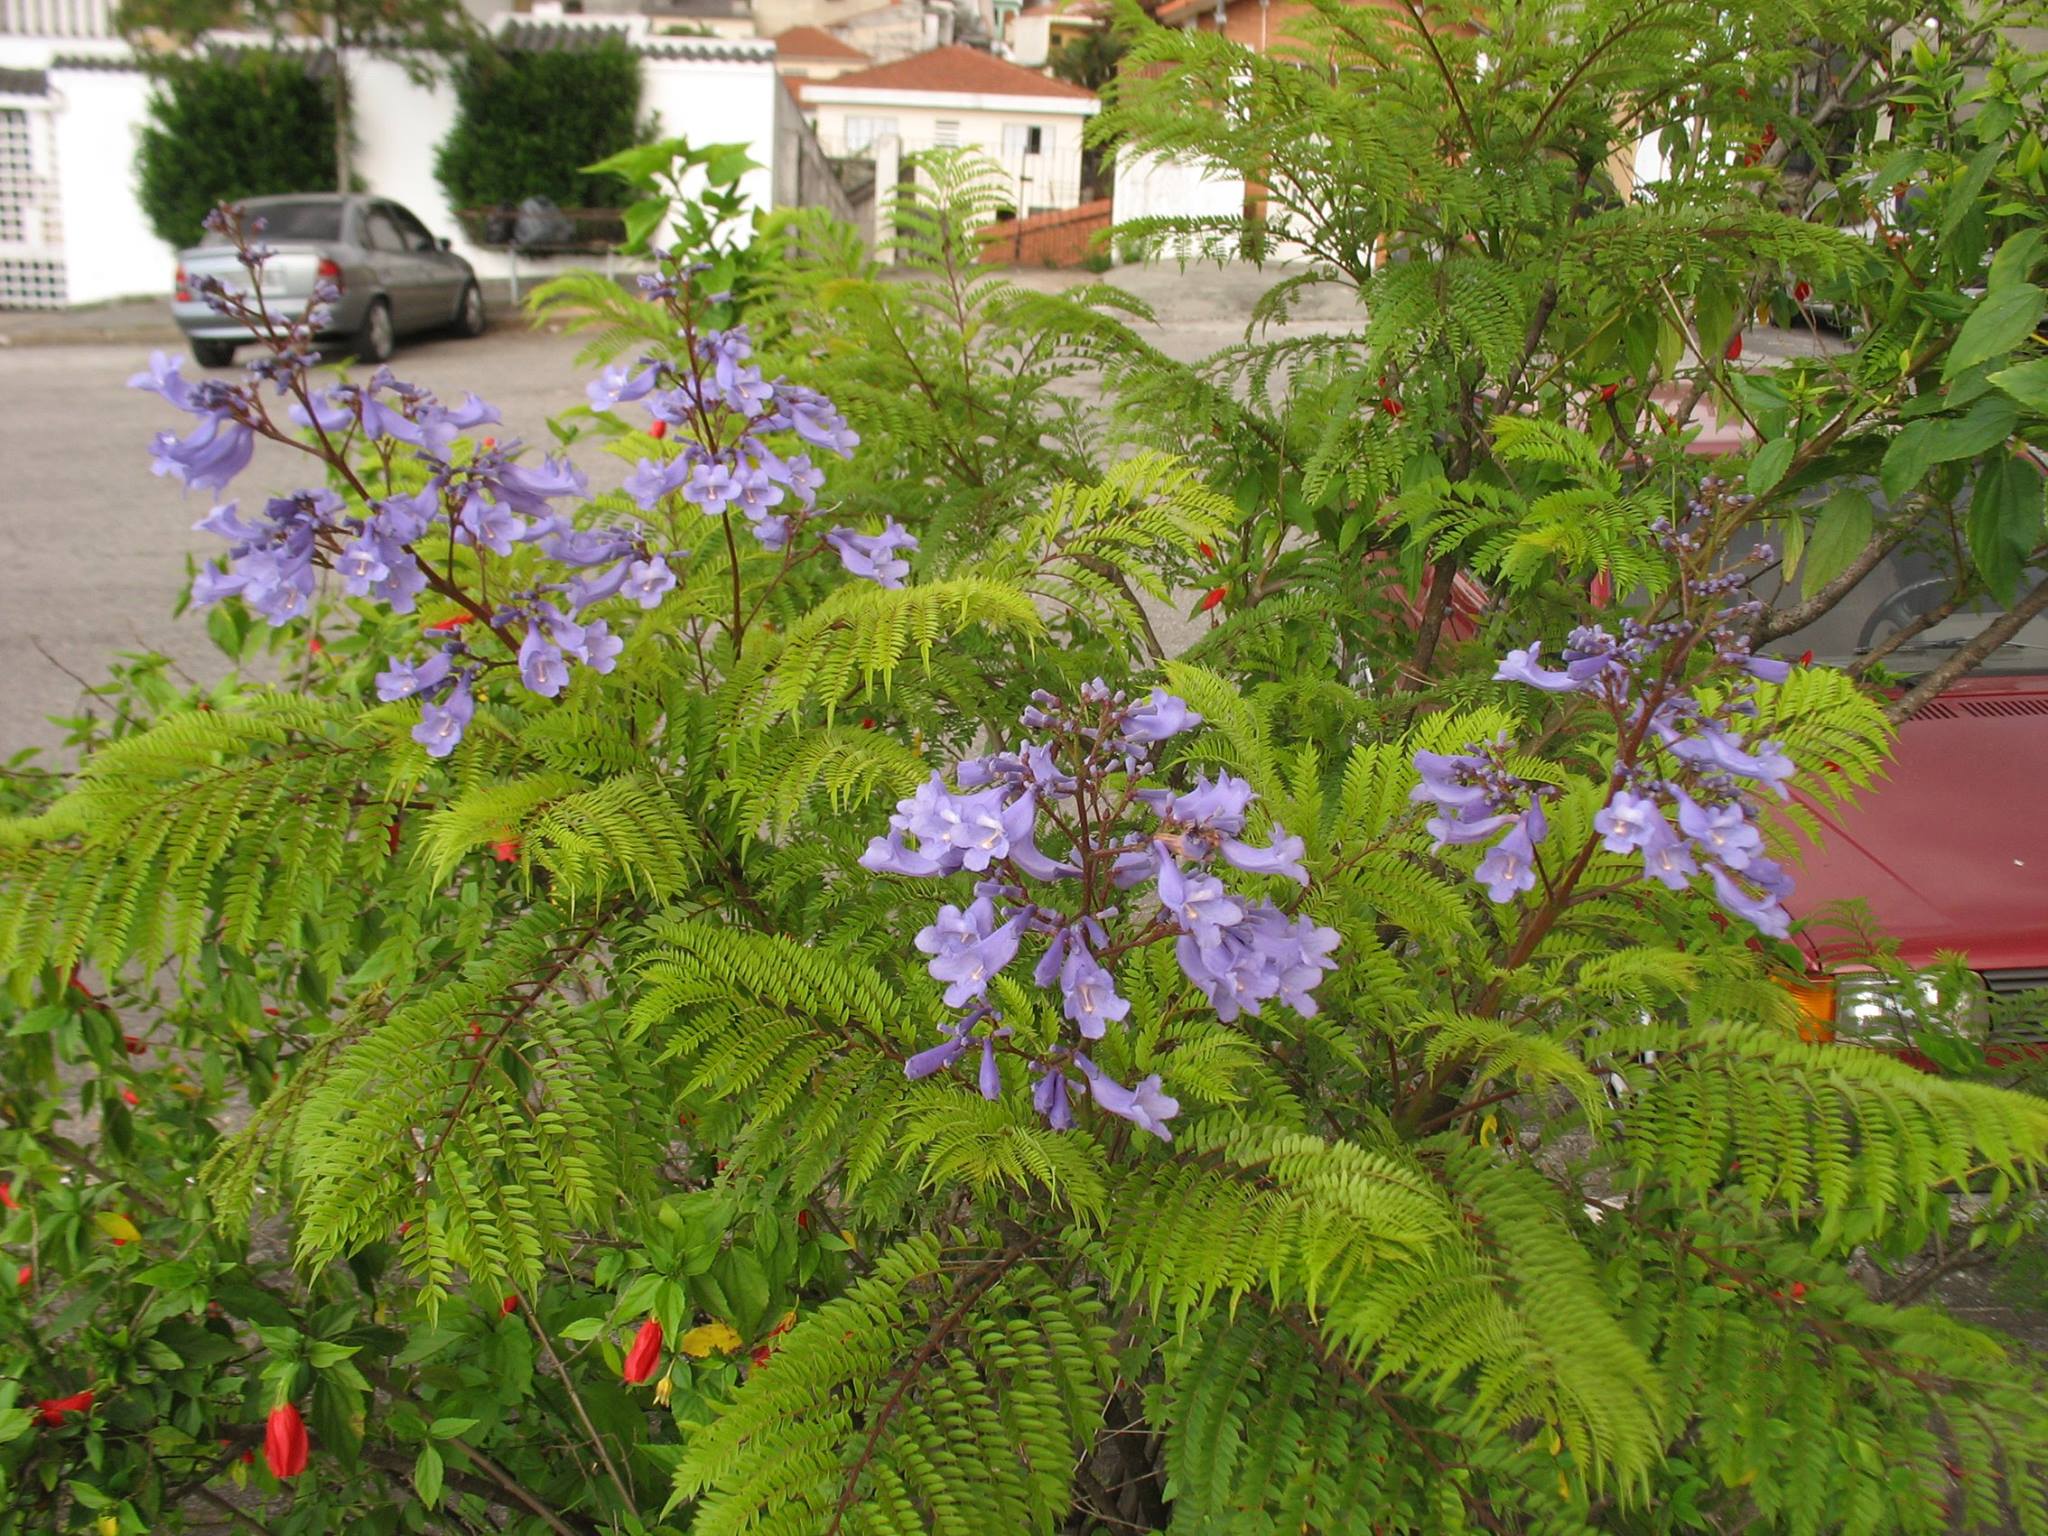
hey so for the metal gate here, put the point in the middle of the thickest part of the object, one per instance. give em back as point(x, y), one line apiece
point(31, 226)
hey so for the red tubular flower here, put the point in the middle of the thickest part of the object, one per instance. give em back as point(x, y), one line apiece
point(658, 431)
point(1734, 348)
point(133, 1045)
point(1391, 406)
point(284, 1442)
point(1214, 597)
point(455, 622)
point(1802, 291)
point(505, 849)
point(7, 1196)
point(508, 1306)
point(1208, 551)
point(1608, 391)
point(130, 1097)
point(24, 1275)
point(53, 1409)
point(315, 646)
point(1602, 589)
point(645, 1354)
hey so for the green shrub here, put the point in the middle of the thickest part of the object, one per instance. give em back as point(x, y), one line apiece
point(527, 122)
point(220, 130)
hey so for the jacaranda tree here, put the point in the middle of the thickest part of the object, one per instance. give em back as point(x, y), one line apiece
point(746, 1004)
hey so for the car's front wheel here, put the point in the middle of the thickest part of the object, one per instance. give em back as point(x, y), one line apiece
point(213, 354)
point(469, 312)
point(375, 342)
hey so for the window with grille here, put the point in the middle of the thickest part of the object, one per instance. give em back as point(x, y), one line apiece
point(862, 132)
point(17, 175)
point(946, 133)
point(31, 265)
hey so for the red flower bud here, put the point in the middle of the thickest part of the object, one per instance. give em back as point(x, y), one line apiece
point(658, 431)
point(1799, 1290)
point(1208, 551)
point(284, 1442)
point(1802, 291)
point(24, 1275)
point(803, 1222)
point(1602, 589)
point(393, 835)
point(505, 850)
point(53, 1409)
point(761, 1356)
point(508, 1306)
point(867, 722)
point(1806, 658)
point(130, 1097)
point(1391, 406)
point(1608, 391)
point(7, 1196)
point(454, 622)
point(490, 442)
point(645, 1354)
point(315, 646)
point(133, 1045)
point(1734, 348)
point(1214, 597)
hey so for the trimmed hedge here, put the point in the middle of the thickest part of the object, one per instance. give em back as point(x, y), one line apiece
point(526, 121)
point(246, 127)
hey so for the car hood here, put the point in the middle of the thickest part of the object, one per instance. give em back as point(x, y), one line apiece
point(1950, 849)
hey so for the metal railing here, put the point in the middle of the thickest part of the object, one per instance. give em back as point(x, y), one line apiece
point(56, 18)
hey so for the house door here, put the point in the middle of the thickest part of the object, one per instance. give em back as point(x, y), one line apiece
point(31, 230)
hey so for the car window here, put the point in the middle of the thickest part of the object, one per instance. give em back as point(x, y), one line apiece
point(415, 233)
point(381, 234)
point(292, 221)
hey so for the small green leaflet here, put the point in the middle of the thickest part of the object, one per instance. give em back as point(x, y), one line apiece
point(2028, 383)
point(1942, 439)
point(2005, 523)
point(2000, 322)
point(1769, 465)
point(1839, 532)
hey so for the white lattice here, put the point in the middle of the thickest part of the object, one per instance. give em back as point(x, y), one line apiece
point(31, 233)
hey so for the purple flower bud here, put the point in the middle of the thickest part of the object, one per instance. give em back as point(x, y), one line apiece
point(1764, 911)
point(990, 1079)
point(1049, 1098)
point(938, 1057)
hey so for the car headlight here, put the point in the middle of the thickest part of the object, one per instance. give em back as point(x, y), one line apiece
point(1890, 1010)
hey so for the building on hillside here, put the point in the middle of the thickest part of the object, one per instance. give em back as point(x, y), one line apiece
point(73, 100)
point(1260, 24)
point(1030, 36)
point(811, 53)
point(1026, 122)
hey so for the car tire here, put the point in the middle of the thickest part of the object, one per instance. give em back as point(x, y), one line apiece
point(377, 339)
point(469, 312)
point(213, 354)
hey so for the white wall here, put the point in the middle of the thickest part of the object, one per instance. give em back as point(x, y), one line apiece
point(1049, 179)
point(1153, 186)
point(109, 249)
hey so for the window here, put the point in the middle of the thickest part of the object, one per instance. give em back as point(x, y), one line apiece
point(1021, 139)
point(946, 133)
point(292, 221)
point(412, 229)
point(861, 132)
point(380, 234)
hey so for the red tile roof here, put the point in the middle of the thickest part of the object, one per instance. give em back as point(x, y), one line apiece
point(958, 69)
point(815, 43)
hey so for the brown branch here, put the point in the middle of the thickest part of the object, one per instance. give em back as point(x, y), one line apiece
point(576, 1401)
point(1989, 639)
point(1898, 637)
point(1436, 607)
point(1779, 623)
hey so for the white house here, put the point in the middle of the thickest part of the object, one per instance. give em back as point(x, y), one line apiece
point(73, 100)
point(1028, 123)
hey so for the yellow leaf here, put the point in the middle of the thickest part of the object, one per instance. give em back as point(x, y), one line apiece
point(1487, 1127)
point(117, 1226)
point(107, 1525)
point(710, 1337)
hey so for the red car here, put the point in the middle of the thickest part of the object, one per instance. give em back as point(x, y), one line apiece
point(1948, 851)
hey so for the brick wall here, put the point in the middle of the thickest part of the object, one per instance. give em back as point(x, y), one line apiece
point(1061, 239)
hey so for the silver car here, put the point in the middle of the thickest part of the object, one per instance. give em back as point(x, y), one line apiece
point(395, 278)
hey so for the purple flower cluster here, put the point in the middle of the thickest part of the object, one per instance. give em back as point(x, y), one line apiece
point(1082, 789)
point(1682, 796)
point(465, 492)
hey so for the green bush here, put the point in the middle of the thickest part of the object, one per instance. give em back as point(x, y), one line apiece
point(527, 122)
point(220, 130)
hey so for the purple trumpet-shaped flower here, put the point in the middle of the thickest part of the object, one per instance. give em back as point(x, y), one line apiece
point(1510, 867)
point(873, 555)
point(488, 525)
point(1282, 858)
point(968, 948)
point(1713, 747)
point(1216, 808)
point(1764, 911)
point(403, 679)
point(1629, 823)
point(648, 581)
point(207, 457)
point(990, 1079)
point(1723, 833)
point(1665, 858)
point(1145, 1106)
point(1455, 828)
point(651, 480)
point(892, 856)
point(441, 725)
point(1088, 992)
point(1450, 780)
point(541, 665)
point(162, 377)
point(619, 384)
point(601, 647)
point(1198, 904)
point(1049, 1098)
point(1523, 667)
point(938, 1057)
point(710, 488)
point(1159, 718)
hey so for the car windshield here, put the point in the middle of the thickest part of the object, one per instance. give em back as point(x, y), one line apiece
point(292, 221)
point(1912, 590)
